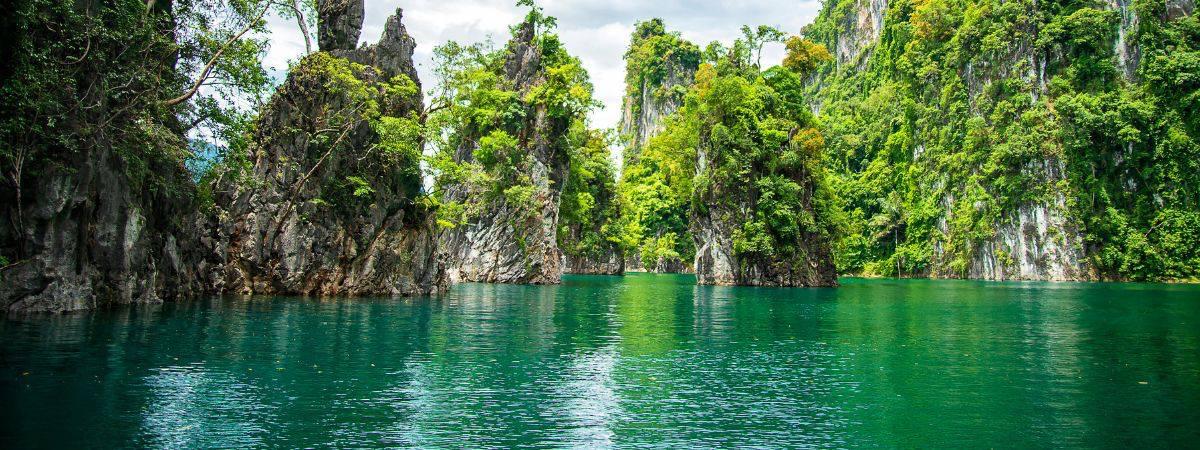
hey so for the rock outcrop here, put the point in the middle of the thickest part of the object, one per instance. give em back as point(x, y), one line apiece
point(660, 67)
point(331, 204)
point(339, 24)
point(612, 263)
point(96, 208)
point(95, 238)
point(507, 242)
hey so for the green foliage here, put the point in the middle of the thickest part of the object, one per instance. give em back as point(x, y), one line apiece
point(967, 111)
point(482, 127)
point(361, 187)
point(804, 56)
point(348, 101)
point(590, 218)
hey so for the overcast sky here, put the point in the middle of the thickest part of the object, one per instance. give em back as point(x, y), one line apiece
point(596, 31)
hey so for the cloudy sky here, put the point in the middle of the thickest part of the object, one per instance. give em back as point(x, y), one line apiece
point(597, 31)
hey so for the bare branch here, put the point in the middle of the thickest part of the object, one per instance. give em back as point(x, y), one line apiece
point(295, 6)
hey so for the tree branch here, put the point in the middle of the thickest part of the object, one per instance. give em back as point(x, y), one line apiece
point(213, 61)
point(303, 25)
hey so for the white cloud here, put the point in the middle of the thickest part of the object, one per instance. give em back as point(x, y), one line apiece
point(597, 31)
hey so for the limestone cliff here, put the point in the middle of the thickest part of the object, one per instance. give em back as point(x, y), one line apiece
point(509, 240)
point(660, 67)
point(860, 31)
point(647, 105)
point(989, 143)
point(331, 202)
point(93, 237)
point(590, 212)
point(96, 207)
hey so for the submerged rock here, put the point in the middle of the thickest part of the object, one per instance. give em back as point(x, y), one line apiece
point(331, 203)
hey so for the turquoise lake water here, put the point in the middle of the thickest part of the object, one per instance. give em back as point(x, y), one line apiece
point(635, 361)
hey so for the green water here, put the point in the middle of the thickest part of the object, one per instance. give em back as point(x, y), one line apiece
point(638, 361)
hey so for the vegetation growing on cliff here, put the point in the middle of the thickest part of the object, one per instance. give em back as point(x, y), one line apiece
point(590, 217)
point(966, 114)
point(354, 100)
point(83, 79)
point(762, 158)
point(654, 62)
point(655, 189)
point(481, 111)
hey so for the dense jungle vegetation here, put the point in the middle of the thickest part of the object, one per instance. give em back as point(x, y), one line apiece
point(964, 112)
point(742, 137)
point(912, 147)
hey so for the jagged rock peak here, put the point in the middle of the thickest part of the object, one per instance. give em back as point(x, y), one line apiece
point(524, 59)
point(393, 54)
point(301, 229)
point(339, 23)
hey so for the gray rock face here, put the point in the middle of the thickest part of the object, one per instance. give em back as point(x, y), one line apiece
point(860, 32)
point(718, 264)
point(670, 265)
point(339, 23)
point(612, 264)
point(654, 108)
point(506, 243)
point(633, 263)
point(644, 115)
point(1037, 241)
point(1128, 53)
point(93, 240)
point(1178, 9)
point(325, 210)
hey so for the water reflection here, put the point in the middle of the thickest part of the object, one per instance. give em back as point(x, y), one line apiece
point(193, 407)
point(636, 361)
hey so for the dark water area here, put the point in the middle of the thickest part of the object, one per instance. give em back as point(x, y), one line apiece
point(634, 361)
